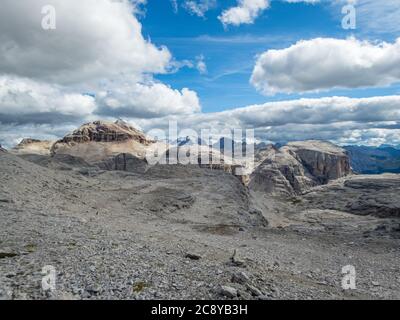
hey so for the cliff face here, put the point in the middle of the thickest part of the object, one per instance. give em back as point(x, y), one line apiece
point(323, 160)
point(299, 166)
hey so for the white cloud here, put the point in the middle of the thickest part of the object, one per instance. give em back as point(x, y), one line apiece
point(12, 134)
point(247, 11)
point(147, 100)
point(244, 13)
point(331, 118)
point(327, 63)
point(21, 96)
point(304, 1)
point(97, 46)
point(199, 7)
point(93, 39)
point(201, 65)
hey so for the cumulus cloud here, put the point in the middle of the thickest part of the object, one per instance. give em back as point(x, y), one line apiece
point(93, 38)
point(244, 13)
point(327, 63)
point(247, 11)
point(21, 98)
point(97, 47)
point(147, 100)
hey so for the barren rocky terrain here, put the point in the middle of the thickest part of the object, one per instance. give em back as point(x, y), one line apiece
point(117, 228)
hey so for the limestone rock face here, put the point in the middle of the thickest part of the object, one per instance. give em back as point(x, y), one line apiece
point(324, 160)
point(100, 140)
point(33, 146)
point(299, 166)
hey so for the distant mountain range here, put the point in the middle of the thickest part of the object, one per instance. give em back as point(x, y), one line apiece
point(374, 160)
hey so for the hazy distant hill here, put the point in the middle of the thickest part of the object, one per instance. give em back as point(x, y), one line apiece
point(374, 160)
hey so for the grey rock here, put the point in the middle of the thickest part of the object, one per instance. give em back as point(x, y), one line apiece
point(253, 290)
point(193, 256)
point(240, 277)
point(236, 261)
point(228, 292)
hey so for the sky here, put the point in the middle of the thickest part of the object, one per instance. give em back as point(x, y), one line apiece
point(286, 68)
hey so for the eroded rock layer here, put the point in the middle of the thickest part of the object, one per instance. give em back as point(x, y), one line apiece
point(299, 166)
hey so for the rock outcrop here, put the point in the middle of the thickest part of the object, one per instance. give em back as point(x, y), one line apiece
point(100, 140)
point(123, 162)
point(298, 166)
point(375, 195)
point(33, 146)
point(325, 161)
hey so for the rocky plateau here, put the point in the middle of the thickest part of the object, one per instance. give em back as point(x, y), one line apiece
point(114, 226)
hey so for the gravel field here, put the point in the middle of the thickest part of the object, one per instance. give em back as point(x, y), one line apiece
point(183, 233)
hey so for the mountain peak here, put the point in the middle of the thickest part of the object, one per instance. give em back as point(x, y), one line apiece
point(106, 131)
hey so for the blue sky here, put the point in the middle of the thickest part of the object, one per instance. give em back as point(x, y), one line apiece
point(230, 53)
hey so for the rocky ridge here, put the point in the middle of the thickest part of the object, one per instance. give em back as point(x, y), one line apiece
point(298, 166)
